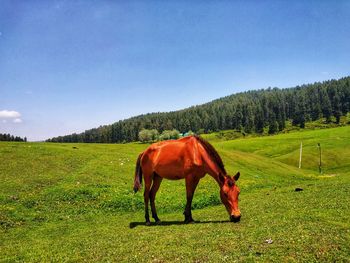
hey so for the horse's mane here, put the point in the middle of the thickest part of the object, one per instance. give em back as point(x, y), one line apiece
point(212, 152)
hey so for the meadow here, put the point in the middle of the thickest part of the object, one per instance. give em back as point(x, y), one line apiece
point(74, 202)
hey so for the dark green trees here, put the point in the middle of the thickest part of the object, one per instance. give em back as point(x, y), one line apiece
point(251, 111)
point(299, 115)
point(10, 138)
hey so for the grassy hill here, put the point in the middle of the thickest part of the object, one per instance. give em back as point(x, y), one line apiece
point(74, 202)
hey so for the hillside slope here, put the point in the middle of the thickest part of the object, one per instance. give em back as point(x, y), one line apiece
point(335, 148)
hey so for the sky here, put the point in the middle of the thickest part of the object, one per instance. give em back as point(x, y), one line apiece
point(68, 66)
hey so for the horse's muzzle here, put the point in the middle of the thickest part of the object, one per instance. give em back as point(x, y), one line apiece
point(235, 219)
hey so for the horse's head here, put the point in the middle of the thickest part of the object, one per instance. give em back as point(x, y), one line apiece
point(229, 193)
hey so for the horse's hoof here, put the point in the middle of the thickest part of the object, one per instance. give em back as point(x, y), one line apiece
point(189, 221)
point(148, 223)
point(158, 221)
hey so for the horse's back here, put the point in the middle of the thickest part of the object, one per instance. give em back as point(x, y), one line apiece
point(172, 159)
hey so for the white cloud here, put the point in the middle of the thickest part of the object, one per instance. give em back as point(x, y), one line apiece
point(17, 120)
point(8, 114)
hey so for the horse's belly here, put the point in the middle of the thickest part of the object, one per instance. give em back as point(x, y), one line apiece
point(170, 172)
point(177, 171)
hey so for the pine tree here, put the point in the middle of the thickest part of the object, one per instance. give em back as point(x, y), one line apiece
point(299, 112)
point(336, 107)
point(273, 125)
point(326, 105)
point(259, 120)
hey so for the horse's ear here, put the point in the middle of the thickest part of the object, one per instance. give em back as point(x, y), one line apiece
point(221, 178)
point(236, 177)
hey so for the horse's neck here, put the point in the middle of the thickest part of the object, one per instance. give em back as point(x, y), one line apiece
point(216, 178)
point(212, 168)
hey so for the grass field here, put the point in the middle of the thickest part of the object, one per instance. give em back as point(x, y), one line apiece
point(60, 203)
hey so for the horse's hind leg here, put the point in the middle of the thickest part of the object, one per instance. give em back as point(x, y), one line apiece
point(155, 186)
point(146, 194)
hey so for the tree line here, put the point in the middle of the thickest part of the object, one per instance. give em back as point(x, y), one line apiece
point(10, 138)
point(251, 111)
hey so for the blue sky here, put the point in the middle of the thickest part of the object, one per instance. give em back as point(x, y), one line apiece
point(67, 66)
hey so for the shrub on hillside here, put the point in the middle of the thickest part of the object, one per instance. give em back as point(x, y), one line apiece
point(148, 135)
point(169, 135)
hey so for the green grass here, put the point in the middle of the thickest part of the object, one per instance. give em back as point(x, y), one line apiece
point(59, 204)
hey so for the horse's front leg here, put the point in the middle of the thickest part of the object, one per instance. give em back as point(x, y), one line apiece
point(191, 184)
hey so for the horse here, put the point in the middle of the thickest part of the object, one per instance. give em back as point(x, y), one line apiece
point(189, 158)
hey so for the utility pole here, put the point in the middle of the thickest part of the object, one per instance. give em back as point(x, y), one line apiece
point(320, 162)
point(301, 152)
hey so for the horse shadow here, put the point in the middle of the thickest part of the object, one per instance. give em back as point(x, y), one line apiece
point(170, 223)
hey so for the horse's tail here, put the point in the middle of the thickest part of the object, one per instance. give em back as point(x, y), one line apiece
point(138, 174)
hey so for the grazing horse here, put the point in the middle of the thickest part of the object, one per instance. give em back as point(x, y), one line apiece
point(189, 158)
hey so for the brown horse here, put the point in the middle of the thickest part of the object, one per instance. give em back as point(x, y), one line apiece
point(189, 158)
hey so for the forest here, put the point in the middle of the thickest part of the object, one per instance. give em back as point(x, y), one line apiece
point(250, 112)
point(10, 138)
